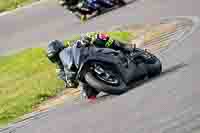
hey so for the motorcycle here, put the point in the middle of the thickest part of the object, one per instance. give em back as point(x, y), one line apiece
point(110, 71)
point(91, 8)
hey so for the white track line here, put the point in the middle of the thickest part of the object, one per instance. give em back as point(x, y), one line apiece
point(22, 8)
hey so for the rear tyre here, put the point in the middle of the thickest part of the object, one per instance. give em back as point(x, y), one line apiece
point(152, 63)
point(155, 68)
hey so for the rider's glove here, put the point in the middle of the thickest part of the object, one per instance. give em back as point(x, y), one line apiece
point(71, 84)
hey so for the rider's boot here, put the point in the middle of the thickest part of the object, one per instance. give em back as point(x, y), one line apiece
point(86, 92)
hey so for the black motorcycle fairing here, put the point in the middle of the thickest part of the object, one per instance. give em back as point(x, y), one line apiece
point(100, 55)
point(127, 69)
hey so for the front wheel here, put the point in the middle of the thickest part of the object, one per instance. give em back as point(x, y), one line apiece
point(106, 81)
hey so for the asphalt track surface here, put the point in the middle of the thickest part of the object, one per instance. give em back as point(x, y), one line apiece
point(169, 103)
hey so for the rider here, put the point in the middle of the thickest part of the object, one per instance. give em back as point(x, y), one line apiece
point(57, 53)
point(101, 40)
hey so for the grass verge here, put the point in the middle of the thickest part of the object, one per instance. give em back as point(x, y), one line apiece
point(28, 78)
point(6, 5)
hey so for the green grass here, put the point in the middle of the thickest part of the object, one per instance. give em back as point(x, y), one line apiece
point(28, 78)
point(12, 4)
point(122, 36)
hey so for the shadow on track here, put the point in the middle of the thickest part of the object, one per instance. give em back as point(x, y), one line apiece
point(169, 70)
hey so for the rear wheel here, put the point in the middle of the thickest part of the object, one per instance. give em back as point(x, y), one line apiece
point(154, 68)
point(152, 63)
point(106, 80)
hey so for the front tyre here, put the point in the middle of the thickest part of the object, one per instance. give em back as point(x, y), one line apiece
point(115, 87)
